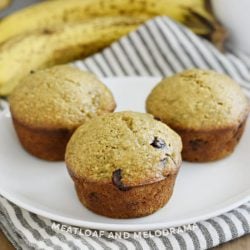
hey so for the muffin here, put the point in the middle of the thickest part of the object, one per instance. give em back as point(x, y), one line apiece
point(207, 109)
point(48, 105)
point(124, 165)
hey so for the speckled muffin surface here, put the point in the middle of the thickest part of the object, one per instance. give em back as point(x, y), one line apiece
point(124, 157)
point(60, 97)
point(48, 105)
point(206, 108)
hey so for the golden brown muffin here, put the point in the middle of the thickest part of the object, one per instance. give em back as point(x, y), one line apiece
point(124, 164)
point(207, 109)
point(48, 105)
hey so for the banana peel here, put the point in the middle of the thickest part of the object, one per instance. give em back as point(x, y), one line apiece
point(203, 23)
point(57, 12)
point(4, 4)
point(58, 31)
point(58, 45)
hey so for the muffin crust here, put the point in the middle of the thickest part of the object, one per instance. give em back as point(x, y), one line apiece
point(48, 105)
point(60, 97)
point(122, 159)
point(206, 108)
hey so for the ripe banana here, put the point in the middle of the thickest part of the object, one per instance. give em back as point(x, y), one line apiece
point(4, 4)
point(60, 44)
point(50, 13)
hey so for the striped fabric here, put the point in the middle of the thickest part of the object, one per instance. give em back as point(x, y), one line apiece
point(161, 47)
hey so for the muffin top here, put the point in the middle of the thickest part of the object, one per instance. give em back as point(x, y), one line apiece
point(60, 97)
point(198, 99)
point(127, 148)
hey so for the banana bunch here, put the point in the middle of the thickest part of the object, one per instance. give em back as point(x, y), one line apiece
point(58, 31)
point(56, 12)
point(44, 48)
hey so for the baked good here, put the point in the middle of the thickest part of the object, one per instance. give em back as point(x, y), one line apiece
point(207, 109)
point(124, 164)
point(48, 105)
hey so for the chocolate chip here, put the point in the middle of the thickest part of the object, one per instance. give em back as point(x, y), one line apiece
point(164, 161)
point(197, 143)
point(93, 197)
point(238, 132)
point(158, 143)
point(240, 126)
point(117, 180)
point(157, 118)
point(32, 72)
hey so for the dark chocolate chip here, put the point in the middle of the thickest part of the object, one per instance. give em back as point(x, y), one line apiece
point(158, 143)
point(93, 197)
point(164, 161)
point(238, 132)
point(117, 180)
point(32, 72)
point(197, 143)
point(157, 118)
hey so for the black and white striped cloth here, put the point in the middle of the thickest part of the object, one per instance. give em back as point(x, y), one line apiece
point(161, 47)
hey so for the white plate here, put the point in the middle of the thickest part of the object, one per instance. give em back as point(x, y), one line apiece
point(201, 190)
